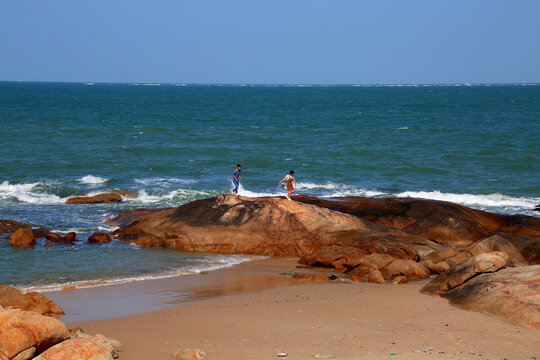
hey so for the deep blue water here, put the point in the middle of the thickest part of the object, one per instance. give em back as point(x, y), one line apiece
point(474, 145)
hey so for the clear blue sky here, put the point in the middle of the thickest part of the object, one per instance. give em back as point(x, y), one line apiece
point(250, 41)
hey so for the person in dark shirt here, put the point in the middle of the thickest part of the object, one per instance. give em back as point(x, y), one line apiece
point(236, 178)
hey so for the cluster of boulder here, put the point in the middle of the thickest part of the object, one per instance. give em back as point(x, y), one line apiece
point(25, 235)
point(395, 239)
point(28, 330)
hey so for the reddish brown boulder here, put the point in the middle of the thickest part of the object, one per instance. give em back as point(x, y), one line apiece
point(364, 265)
point(408, 268)
point(512, 294)
point(375, 277)
point(483, 263)
point(70, 237)
point(189, 354)
point(437, 268)
point(33, 301)
point(100, 198)
point(498, 243)
point(357, 278)
point(75, 349)
point(10, 226)
point(22, 237)
point(20, 330)
point(99, 238)
point(54, 237)
point(48, 244)
point(318, 278)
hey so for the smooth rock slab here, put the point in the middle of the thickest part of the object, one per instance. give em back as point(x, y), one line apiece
point(33, 301)
point(512, 294)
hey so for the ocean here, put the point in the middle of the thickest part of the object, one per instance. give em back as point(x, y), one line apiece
point(476, 145)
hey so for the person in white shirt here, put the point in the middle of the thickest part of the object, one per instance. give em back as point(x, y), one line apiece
point(290, 183)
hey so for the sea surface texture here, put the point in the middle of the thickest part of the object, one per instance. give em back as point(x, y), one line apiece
point(174, 143)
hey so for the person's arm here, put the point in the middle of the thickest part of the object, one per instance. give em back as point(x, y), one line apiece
point(234, 177)
point(285, 178)
point(294, 181)
point(240, 176)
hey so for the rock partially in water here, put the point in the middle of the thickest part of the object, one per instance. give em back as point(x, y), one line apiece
point(99, 238)
point(55, 238)
point(111, 197)
point(70, 237)
point(512, 294)
point(32, 301)
point(23, 237)
point(10, 226)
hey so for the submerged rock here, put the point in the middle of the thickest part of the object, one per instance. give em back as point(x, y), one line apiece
point(23, 237)
point(512, 294)
point(32, 301)
point(70, 237)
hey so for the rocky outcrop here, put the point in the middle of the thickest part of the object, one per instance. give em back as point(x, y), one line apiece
point(55, 238)
point(70, 237)
point(10, 226)
point(261, 226)
point(512, 294)
point(32, 301)
point(23, 237)
point(99, 238)
point(27, 332)
point(443, 223)
point(111, 197)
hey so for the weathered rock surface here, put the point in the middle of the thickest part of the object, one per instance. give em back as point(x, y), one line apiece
point(375, 277)
point(236, 224)
point(76, 349)
point(100, 198)
point(410, 269)
point(316, 278)
point(33, 301)
point(10, 226)
point(498, 243)
point(40, 232)
point(24, 330)
point(99, 238)
point(441, 222)
point(482, 263)
point(512, 294)
point(23, 237)
point(55, 238)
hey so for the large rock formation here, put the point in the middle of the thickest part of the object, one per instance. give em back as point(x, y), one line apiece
point(444, 223)
point(262, 226)
point(32, 301)
point(75, 349)
point(512, 294)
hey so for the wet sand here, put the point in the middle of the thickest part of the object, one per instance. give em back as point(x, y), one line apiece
point(248, 312)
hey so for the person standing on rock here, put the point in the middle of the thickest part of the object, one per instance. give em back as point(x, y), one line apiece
point(290, 183)
point(236, 178)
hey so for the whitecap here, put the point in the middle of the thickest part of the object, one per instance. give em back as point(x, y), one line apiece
point(28, 193)
point(93, 180)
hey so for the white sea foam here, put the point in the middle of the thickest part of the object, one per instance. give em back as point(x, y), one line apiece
point(28, 193)
point(92, 180)
point(492, 200)
point(211, 264)
point(164, 181)
point(178, 195)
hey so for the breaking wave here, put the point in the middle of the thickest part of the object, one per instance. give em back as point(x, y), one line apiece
point(92, 180)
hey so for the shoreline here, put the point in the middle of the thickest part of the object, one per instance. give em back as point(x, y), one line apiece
point(248, 311)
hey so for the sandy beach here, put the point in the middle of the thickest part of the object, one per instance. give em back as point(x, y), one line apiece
point(250, 311)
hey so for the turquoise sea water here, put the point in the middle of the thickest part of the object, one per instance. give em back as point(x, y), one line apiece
point(474, 145)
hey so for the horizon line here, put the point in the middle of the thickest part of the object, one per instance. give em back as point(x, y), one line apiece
point(270, 84)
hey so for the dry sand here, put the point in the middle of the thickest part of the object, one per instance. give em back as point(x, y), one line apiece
point(345, 320)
